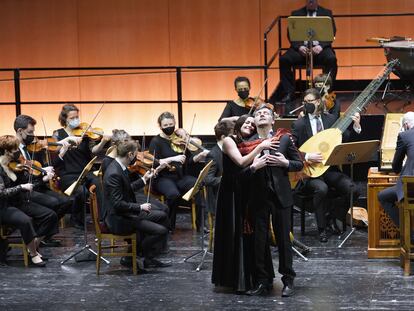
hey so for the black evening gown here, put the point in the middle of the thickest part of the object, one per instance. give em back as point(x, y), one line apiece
point(233, 251)
point(232, 110)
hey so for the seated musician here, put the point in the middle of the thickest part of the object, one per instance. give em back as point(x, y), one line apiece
point(314, 121)
point(404, 149)
point(173, 183)
point(213, 178)
point(123, 215)
point(35, 221)
point(323, 83)
point(236, 108)
point(24, 126)
point(323, 53)
point(76, 159)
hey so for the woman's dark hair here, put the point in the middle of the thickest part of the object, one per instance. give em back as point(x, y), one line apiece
point(165, 115)
point(241, 79)
point(237, 127)
point(64, 113)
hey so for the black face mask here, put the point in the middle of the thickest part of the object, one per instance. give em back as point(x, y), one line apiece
point(168, 130)
point(28, 140)
point(309, 108)
point(16, 156)
point(243, 94)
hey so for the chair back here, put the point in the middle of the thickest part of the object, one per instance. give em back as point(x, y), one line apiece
point(408, 188)
point(94, 209)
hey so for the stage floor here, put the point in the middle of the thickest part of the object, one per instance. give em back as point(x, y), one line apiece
point(332, 279)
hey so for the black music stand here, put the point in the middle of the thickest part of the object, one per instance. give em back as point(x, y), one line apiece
point(80, 182)
point(307, 28)
point(351, 153)
point(188, 196)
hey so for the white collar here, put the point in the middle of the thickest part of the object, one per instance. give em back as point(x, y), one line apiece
point(220, 144)
point(120, 163)
point(314, 116)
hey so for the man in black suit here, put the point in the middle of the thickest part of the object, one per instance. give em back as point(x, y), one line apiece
point(323, 54)
point(122, 214)
point(271, 194)
point(213, 178)
point(404, 148)
point(314, 121)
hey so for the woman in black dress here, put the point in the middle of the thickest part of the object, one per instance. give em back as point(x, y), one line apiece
point(236, 108)
point(233, 253)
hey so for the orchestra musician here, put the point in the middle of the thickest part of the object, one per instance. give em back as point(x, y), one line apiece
point(24, 126)
point(323, 83)
point(323, 53)
point(270, 194)
point(76, 159)
point(404, 150)
point(173, 183)
point(35, 221)
point(123, 214)
point(314, 121)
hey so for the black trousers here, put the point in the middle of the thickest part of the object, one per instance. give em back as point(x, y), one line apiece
point(335, 180)
point(57, 202)
point(388, 197)
point(14, 217)
point(173, 188)
point(326, 58)
point(150, 225)
point(45, 221)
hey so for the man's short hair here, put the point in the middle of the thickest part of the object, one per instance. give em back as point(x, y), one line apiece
point(125, 146)
point(263, 106)
point(22, 122)
point(165, 115)
point(223, 128)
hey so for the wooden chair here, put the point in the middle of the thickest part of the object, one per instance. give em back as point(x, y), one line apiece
point(102, 233)
point(406, 212)
point(15, 241)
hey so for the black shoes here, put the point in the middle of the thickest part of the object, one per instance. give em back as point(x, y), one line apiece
point(288, 289)
point(260, 290)
point(323, 236)
point(126, 261)
point(154, 263)
point(50, 243)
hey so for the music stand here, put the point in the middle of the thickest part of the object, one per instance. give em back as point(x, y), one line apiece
point(283, 123)
point(351, 153)
point(188, 196)
point(304, 28)
point(72, 188)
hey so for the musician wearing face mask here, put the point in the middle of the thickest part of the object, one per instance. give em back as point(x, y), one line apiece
point(404, 150)
point(76, 159)
point(175, 182)
point(236, 108)
point(24, 127)
point(314, 121)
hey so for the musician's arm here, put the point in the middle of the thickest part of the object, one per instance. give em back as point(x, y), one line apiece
point(400, 152)
point(295, 160)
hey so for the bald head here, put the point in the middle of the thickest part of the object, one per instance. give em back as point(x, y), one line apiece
point(408, 120)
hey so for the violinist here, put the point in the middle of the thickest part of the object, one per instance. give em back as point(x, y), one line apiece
point(34, 220)
point(172, 183)
point(24, 127)
point(323, 83)
point(76, 159)
point(242, 104)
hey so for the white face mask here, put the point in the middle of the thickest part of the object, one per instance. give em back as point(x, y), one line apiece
point(74, 123)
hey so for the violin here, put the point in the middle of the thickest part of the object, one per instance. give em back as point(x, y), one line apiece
point(84, 129)
point(50, 144)
point(329, 100)
point(33, 167)
point(179, 141)
point(145, 161)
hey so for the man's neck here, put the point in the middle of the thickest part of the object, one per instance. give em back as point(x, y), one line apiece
point(264, 131)
point(122, 160)
point(20, 140)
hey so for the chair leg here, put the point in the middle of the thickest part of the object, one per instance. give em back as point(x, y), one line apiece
point(134, 256)
point(25, 256)
point(193, 215)
point(98, 257)
point(302, 221)
point(407, 242)
point(112, 245)
point(211, 233)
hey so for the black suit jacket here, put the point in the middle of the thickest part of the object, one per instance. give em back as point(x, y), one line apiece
point(119, 192)
point(213, 178)
point(276, 179)
point(405, 147)
point(321, 11)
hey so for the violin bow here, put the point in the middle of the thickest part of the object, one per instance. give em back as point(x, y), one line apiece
point(189, 135)
point(257, 97)
point(150, 180)
point(48, 158)
point(94, 118)
point(324, 82)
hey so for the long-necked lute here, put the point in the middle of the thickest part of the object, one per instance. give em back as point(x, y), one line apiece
point(325, 141)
